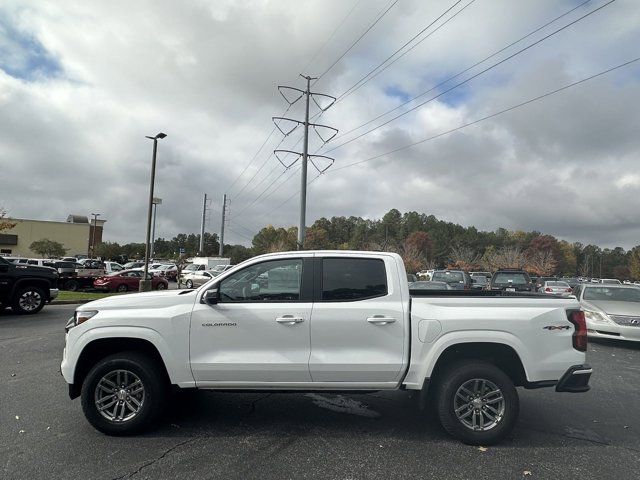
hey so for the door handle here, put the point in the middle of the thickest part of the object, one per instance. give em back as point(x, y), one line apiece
point(289, 320)
point(380, 320)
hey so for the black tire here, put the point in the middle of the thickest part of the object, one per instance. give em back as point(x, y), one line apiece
point(72, 285)
point(161, 286)
point(122, 288)
point(188, 284)
point(28, 300)
point(455, 378)
point(155, 393)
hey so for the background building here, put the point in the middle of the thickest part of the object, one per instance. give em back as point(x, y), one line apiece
point(77, 235)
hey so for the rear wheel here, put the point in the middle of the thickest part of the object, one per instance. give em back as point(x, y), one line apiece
point(72, 285)
point(477, 402)
point(161, 286)
point(28, 300)
point(122, 288)
point(123, 394)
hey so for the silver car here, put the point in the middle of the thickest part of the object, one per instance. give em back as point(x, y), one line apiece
point(197, 278)
point(611, 311)
point(555, 287)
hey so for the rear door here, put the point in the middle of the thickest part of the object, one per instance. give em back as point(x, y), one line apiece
point(357, 326)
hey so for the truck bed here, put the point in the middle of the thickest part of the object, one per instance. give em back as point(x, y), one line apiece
point(479, 293)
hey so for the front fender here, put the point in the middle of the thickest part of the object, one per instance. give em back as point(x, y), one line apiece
point(178, 369)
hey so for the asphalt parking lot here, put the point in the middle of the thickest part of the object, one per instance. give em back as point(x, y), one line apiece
point(43, 434)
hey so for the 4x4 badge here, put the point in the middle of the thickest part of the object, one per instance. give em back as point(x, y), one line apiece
point(557, 327)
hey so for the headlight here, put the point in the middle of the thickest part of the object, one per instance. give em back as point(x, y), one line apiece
point(79, 317)
point(596, 317)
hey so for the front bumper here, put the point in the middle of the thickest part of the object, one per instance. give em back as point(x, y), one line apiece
point(575, 379)
point(53, 293)
point(613, 330)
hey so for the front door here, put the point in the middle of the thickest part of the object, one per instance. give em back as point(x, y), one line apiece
point(258, 333)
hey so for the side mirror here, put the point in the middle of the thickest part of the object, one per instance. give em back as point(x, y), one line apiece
point(211, 297)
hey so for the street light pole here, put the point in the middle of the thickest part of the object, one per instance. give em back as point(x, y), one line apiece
point(93, 236)
point(145, 284)
point(156, 202)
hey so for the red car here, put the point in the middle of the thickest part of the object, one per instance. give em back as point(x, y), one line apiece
point(127, 280)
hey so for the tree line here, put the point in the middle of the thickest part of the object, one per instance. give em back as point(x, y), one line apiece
point(422, 240)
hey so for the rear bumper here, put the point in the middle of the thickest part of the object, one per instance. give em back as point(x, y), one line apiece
point(575, 379)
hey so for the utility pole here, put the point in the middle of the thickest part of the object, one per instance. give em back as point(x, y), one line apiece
point(204, 213)
point(308, 94)
point(224, 213)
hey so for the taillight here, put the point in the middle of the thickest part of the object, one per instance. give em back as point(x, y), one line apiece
point(568, 290)
point(548, 289)
point(580, 334)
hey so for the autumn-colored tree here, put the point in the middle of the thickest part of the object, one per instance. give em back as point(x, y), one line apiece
point(634, 263)
point(541, 263)
point(5, 223)
point(316, 239)
point(464, 258)
point(415, 251)
point(504, 257)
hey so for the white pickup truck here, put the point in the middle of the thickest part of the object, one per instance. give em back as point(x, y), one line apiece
point(324, 321)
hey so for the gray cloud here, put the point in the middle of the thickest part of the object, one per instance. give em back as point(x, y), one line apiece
point(206, 74)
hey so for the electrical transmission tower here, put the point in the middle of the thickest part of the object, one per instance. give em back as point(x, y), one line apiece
point(304, 155)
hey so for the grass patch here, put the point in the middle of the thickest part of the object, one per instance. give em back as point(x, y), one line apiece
point(66, 296)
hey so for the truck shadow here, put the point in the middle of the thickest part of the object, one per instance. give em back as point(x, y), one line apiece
point(377, 417)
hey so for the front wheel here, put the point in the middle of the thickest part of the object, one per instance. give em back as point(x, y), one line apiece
point(28, 300)
point(477, 402)
point(189, 284)
point(123, 394)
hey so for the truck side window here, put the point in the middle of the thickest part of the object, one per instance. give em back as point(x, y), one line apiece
point(348, 279)
point(271, 281)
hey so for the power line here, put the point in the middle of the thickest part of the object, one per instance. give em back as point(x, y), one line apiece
point(358, 2)
point(346, 94)
point(285, 112)
point(475, 122)
point(353, 44)
point(487, 117)
point(462, 71)
point(255, 155)
point(470, 78)
point(399, 49)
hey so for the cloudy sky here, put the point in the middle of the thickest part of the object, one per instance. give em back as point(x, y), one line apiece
point(82, 83)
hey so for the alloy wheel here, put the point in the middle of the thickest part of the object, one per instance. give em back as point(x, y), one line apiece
point(479, 404)
point(119, 396)
point(30, 301)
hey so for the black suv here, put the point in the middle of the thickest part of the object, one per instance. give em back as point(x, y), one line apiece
point(456, 279)
point(26, 288)
point(512, 281)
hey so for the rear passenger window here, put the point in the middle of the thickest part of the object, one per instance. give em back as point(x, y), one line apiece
point(345, 279)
